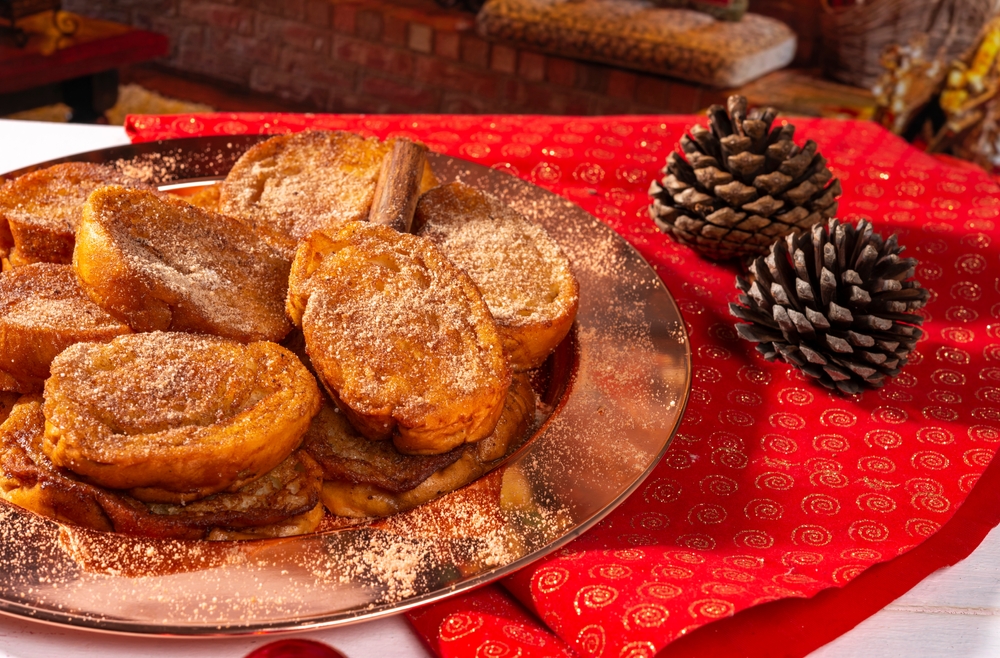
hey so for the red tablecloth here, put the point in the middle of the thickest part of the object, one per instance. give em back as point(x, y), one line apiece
point(774, 488)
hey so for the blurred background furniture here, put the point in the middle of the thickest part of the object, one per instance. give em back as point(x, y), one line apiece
point(391, 56)
point(78, 69)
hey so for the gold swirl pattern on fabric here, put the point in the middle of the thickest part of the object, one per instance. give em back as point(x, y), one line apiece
point(846, 573)
point(551, 579)
point(697, 541)
point(838, 418)
point(496, 649)
point(779, 444)
point(628, 555)
point(706, 514)
point(936, 435)
point(722, 589)
point(930, 502)
point(671, 572)
point(876, 464)
point(610, 572)
point(798, 396)
point(711, 608)
point(744, 562)
point(967, 481)
point(834, 443)
point(787, 421)
point(754, 539)
point(821, 504)
point(735, 575)
point(594, 596)
point(638, 649)
point(660, 591)
point(590, 641)
point(662, 490)
point(523, 636)
point(868, 530)
point(811, 535)
point(922, 527)
point(876, 502)
point(718, 485)
point(801, 559)
point(459, 625)
point(775, 481)
point(645, 615)
point(764, 509)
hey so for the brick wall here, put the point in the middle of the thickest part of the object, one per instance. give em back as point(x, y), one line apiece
point(385, 56)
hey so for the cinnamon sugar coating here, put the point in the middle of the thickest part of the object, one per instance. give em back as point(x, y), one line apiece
point(164, 264)
point(42, 312)
point(266, 506)
point(40, 211)
point(291, 185)
point(174, 417)
point(400, 337)
point(349, 491)
point(522, 273)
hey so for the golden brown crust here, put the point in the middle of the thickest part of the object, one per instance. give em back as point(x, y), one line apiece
point(163, 264)
point(42, 312)
point(351, 498)
point(43, 209)
point(280, 503)
point(291, 185)
point(522, 273)
point(400, 337)
point(175, 417)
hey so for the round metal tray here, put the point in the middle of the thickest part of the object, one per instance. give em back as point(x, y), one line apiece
point(615, 393)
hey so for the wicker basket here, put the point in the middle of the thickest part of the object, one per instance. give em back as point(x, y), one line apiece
point(855, 37)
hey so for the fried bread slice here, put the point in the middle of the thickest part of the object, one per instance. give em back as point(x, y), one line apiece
point(29, 480)
point(400, 337)
point(42, 312)
point(291, 185)
point(522, 273)
point(174, 417)
point(43, 209)
point(299, 524)
point(348, 456)
point(349, 491)
point(162, 264)
point(281, 502)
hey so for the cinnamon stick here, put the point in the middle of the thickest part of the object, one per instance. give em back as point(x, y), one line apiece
point(398, 187)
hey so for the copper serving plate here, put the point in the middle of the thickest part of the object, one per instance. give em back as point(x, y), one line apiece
point(613, 395)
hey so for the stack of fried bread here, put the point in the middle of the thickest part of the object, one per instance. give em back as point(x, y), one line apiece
point(328, 330)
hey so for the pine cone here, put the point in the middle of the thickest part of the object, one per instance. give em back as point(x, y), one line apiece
point(739, 185)
point(836, 302)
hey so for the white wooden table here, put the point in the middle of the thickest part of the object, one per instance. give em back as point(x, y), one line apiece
point(954, 612)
